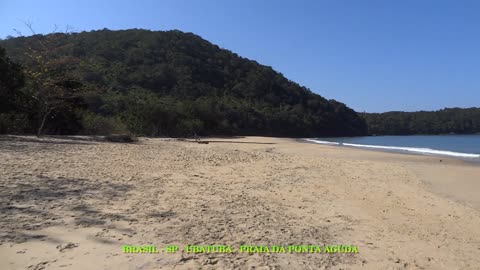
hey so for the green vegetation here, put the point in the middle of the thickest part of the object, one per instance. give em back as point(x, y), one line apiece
point(446, 121)
point(176, 84)
point(156, 84)
point(11, 80)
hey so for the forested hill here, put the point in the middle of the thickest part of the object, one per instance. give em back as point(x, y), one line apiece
point(170, 83)
point(446, 121)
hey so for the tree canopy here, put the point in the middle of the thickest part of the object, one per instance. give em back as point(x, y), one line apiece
point(171, 83)
point(446, 121)
point(11, 79)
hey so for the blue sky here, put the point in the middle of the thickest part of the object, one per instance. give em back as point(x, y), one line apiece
point(372, 55)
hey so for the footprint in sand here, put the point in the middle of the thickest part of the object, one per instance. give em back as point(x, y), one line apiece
point(67, 246)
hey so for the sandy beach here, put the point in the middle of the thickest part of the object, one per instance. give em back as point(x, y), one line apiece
point(72, 203)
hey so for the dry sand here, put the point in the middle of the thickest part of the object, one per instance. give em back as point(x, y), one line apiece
point(73, 203)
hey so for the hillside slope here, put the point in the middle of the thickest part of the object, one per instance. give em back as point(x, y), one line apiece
point(445, 121)
point(172, 83)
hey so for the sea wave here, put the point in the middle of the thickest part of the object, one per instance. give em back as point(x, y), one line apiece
point(321, 142)
point(416, 150)
point(425, 151)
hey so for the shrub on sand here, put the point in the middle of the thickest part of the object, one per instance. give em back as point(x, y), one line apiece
point(95, 124)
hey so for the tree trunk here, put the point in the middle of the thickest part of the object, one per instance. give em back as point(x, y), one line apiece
point(44, 118)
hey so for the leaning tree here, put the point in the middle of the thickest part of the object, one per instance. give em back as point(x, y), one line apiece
point(48, 69)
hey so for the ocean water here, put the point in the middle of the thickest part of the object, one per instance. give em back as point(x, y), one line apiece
point(460, 146)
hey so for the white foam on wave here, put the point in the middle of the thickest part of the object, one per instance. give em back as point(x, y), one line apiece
point(321, 142)
point(425, 151)
point(416, 150)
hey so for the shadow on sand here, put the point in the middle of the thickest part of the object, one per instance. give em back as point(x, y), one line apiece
point(216, 141)
point(50, 139)
point(40, 202)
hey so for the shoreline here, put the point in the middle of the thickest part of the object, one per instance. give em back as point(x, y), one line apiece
point(391, 149)
point(431, 167)
point(76, 203)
